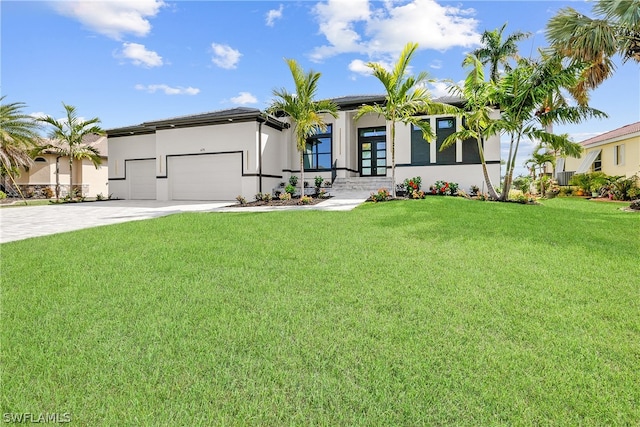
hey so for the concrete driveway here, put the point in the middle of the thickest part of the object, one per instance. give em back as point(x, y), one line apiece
point(23, 222)
point(17, 223)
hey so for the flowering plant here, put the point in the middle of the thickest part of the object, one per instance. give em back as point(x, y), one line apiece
point(381, 196)
point(444, 188)
point(305, 200)
point(411, 185)
point(417, 194)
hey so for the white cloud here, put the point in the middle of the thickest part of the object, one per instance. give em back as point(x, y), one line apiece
point(38, 115)
point(359, 66)
point(225, 56)
point(168, 90)
point(244, 98)
point(113, 18)
point(357, 26)
point(139, 55)
point(436, 64)
point(439, 89)
point(274, 14)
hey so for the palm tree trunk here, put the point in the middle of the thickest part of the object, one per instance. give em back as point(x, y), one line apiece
point(393, 159)
point(485, 172)
point(14, 183)
point(301, 173)
point(70, 177)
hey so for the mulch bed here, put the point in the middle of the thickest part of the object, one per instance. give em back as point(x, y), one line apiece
point(278, 202)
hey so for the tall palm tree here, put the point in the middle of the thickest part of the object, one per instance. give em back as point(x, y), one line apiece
point(531, 102)
point(614, 31)
point(480, 99)
point(304, 111)
point(18, 136)
point(68, 134)
point(496, 51)
point(406, 97)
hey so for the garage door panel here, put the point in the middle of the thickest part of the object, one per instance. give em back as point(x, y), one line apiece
point(141, 175)
point(205, 177)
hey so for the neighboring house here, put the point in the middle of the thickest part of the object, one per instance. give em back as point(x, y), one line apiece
point(240, 151)
point(42, 173)
point(614, 153)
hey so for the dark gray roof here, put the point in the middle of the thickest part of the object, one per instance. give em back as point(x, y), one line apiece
point(238, 114)
point(355, 101)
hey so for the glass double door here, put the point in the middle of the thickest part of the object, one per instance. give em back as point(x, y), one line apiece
point(373, 151)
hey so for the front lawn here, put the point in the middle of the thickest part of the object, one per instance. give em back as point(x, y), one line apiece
point(441, 311)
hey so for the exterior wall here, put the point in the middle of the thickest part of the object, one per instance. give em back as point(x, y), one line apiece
point(122, 149)
point(43, 174)
point(228, 138)
point(96, 181)
point(629, 166)
point(273, 163)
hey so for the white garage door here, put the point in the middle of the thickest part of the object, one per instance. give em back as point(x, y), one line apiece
point(141, 175)
point(205, 177)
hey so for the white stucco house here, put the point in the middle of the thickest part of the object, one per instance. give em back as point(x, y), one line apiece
point(240, 151)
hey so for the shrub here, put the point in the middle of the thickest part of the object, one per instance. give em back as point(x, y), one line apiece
point(290, 189)
point(266, 197)
point(318, 181)
point(635, 205)
point(417, 194)
point(522, 183)
point(47, 192)
point(474, 189)
point(305, 200)
point(285, 196)
point(258, 197)
point(444, 188)
point(241, 200)
point(3, 195)
point(634, 193)
point(381, 196)
point(622, 186)
point(100, 197)
point(293, 180)
point(412, 185)
point(322, 194)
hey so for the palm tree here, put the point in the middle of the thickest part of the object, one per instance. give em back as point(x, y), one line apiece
point(531, 102)
point(539, 158)
point(479, 97)
point(615, 31)
point(18, 136)
point(496, 51)
point(406, 97)
point(68, 134)
point(305, 112)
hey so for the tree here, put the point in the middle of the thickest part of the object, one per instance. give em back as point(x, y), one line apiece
point(304, 111)
point(68, 134)
point(531, 102)
point(539, 158)
point(406, 97)
point(615, 31)
point(496, 51)
point(479, 105)
point(18, 136)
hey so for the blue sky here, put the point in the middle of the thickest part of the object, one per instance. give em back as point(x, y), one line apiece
point(133, 61)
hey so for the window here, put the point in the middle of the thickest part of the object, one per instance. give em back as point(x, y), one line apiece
point(597, 163)
point(618, 155)
point(40, 160)
point(420, 149)
point(444, 128)
point(317, 154)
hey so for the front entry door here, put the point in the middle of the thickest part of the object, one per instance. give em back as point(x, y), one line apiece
point(373, 151)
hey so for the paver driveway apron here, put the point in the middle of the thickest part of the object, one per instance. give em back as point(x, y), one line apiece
point(19, 223)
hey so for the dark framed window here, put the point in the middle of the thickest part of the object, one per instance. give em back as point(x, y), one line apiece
point(597, 163)
point(317, 154)
point(444, 127)
point(40, 160)
point(420, 149)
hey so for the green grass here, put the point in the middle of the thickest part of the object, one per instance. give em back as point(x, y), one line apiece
point(430, 312)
